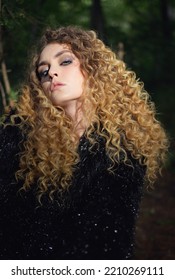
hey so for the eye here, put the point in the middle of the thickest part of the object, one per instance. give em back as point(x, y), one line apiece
point(66, 62)
point(43, 74)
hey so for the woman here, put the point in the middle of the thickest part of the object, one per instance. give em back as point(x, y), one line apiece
point(76, 153)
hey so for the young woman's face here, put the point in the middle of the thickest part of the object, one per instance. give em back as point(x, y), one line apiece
point(60, 74)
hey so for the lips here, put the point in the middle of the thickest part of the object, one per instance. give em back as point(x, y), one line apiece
point(55, 86)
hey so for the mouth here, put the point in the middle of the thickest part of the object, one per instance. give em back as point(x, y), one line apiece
point(55, 86)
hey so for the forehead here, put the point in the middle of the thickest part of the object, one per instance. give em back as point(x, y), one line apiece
point(52, 50)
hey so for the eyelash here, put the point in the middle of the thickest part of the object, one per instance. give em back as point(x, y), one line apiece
point(44, 73)
point(66, 62)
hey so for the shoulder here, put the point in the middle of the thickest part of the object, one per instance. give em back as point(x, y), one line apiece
point(10, 140)
point(10, 132)
point(10, 135)
point(129, 172)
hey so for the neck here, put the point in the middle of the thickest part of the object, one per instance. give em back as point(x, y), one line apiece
point(75, 113)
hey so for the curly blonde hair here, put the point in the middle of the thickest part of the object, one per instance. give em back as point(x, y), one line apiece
point(120, 111)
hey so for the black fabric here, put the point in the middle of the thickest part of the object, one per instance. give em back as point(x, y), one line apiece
point(96, 221)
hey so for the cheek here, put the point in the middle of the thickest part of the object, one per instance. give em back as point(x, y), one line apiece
point(80, 80)
point(79, 87)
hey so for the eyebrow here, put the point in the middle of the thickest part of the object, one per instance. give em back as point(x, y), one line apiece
point(55, 56)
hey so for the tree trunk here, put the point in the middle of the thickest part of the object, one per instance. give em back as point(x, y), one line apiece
point(97, 19)
point(4, 101)
point(1, 47)
point(5, 77)
point(120, 51)
point(3, 70)
point(167, 46)
point(166, 19)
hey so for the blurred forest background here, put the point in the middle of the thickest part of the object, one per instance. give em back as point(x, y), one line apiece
point(142, 33)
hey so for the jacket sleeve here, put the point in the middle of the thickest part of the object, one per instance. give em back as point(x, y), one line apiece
point(10, 138)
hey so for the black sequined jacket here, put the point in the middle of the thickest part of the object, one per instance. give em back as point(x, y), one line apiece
point(96, 222)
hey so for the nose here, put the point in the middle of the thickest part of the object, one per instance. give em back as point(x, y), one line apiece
point(53, 73)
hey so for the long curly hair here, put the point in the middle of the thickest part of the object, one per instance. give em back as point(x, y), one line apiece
point(120, 111)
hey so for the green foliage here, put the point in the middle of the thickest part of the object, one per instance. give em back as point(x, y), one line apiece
point(13, 95)
point(11, 14)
